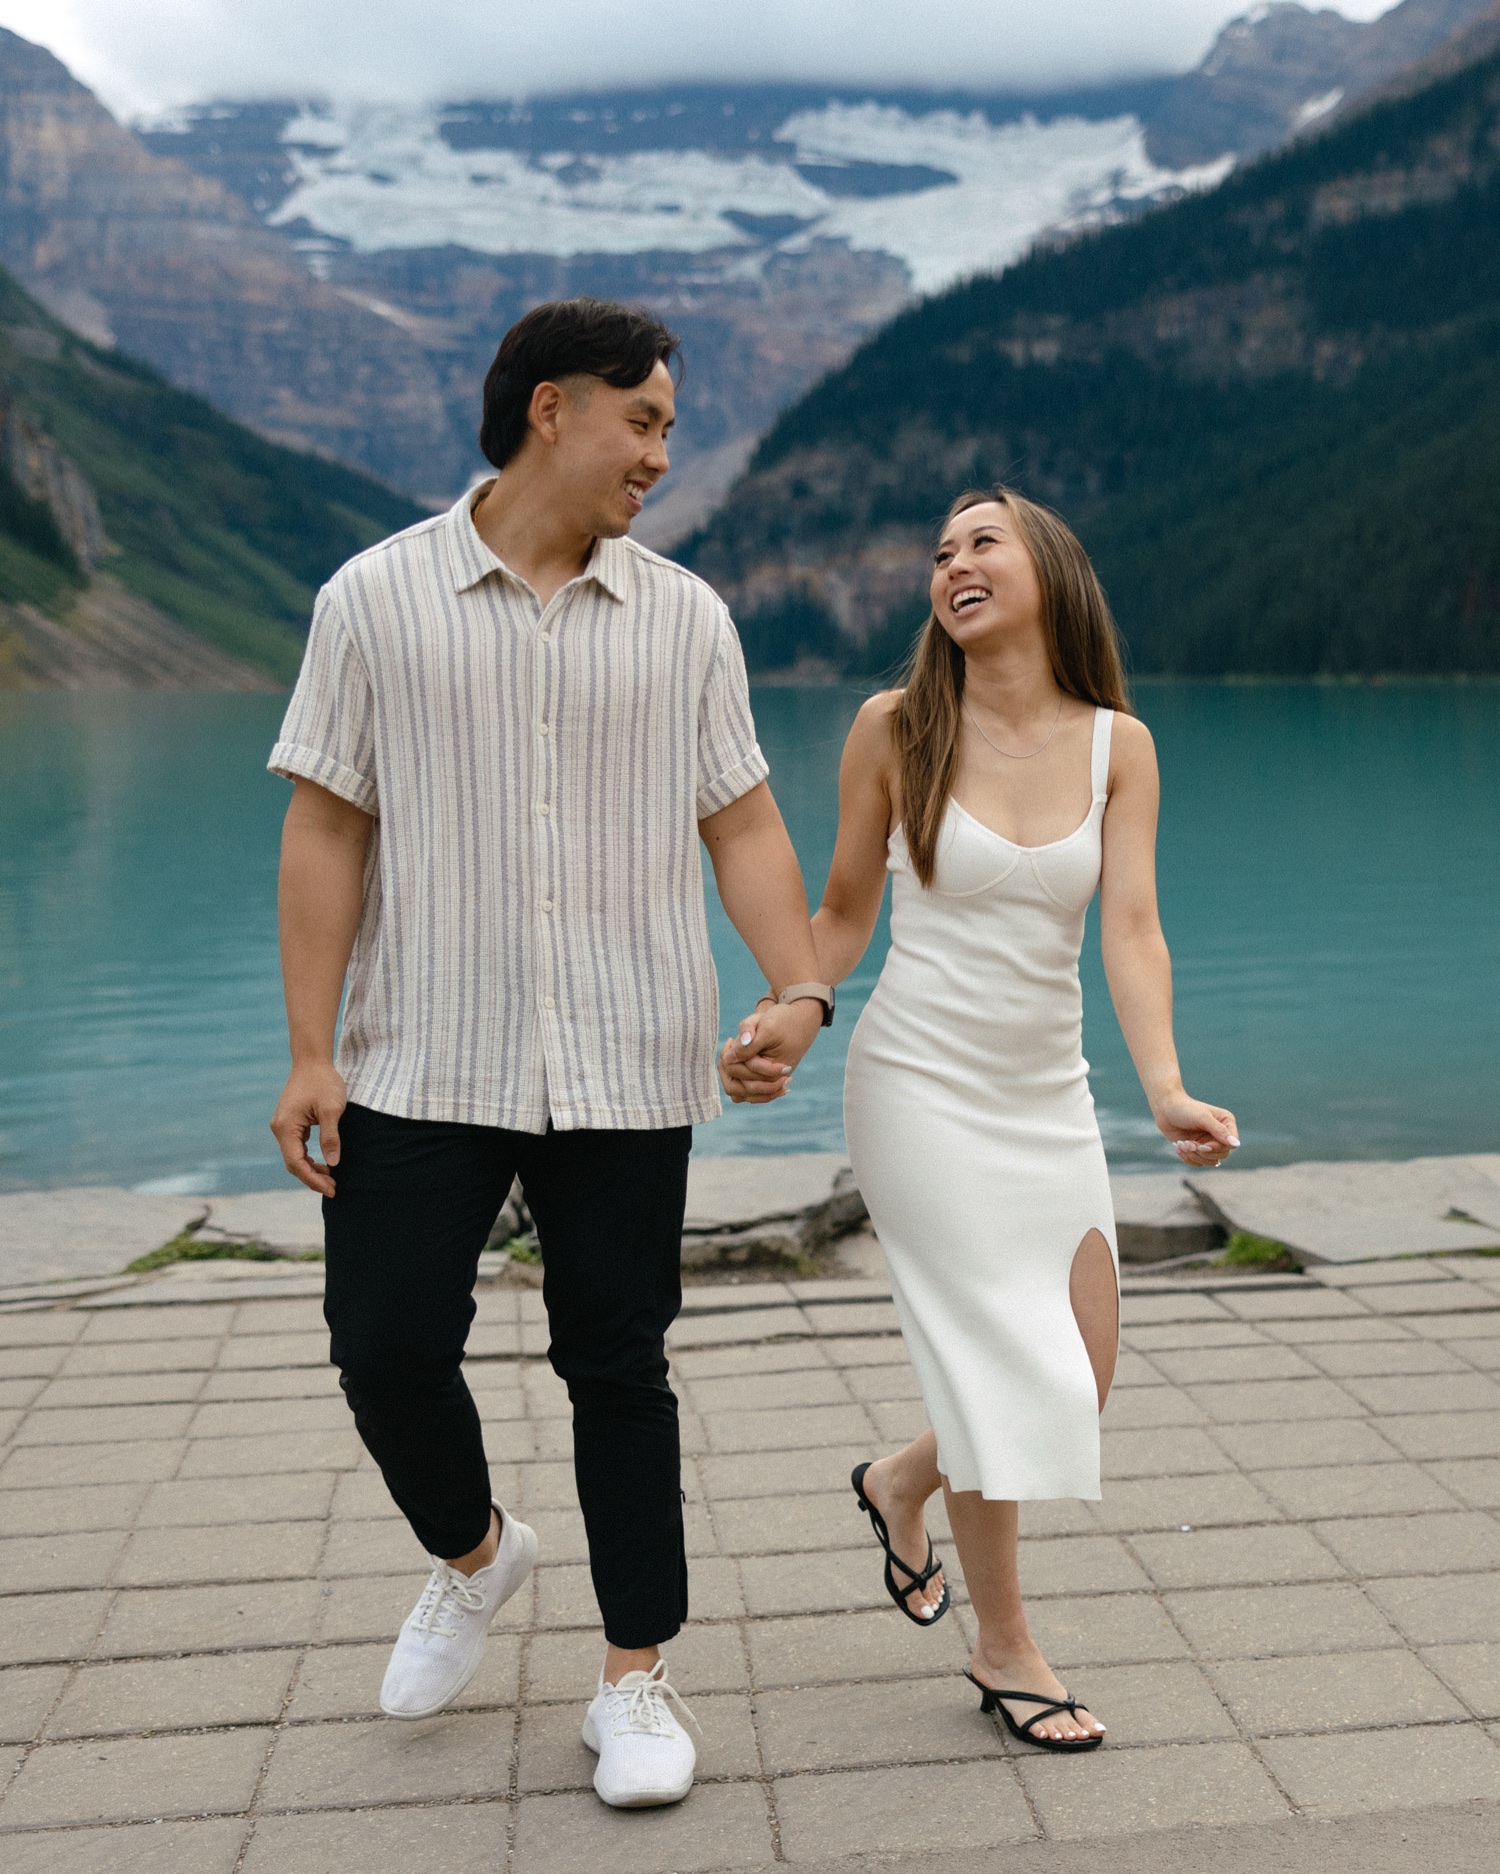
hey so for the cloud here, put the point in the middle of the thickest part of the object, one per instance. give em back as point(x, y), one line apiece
point(146, 58)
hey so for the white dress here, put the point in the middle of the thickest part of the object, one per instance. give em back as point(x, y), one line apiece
point(973, 1139)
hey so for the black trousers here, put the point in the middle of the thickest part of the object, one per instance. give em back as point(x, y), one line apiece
point(416, 1202)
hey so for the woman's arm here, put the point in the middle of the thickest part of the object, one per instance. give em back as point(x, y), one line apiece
point(1135, 952)
point(851, 899)
point(845, 921)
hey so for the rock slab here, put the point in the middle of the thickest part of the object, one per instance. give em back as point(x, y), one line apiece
point(90, 1230)
point(1158, 1217)
point(767, 1210)
point(731, 1193)
point(1361, 1211)
point(290, 1221)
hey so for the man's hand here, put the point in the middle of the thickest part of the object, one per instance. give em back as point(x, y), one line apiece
point(756, 1063)
point(313, 1096)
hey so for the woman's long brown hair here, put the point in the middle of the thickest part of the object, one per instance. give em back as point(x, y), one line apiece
point(1081, 639)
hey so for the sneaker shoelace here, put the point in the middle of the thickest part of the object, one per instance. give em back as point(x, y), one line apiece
point(447, 1592)
point(642, 1707)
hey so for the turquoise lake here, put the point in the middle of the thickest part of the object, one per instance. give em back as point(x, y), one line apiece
point(1330, 887)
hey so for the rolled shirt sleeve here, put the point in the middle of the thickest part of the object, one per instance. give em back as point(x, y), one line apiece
point(730, 761)
point(328, 732)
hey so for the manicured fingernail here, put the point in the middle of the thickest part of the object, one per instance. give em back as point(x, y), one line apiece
point(746, 1039)
point(1233, 1140)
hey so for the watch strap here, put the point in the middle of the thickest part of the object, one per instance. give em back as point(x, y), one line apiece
point(811, 992)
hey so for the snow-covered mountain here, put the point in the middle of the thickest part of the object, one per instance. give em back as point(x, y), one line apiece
point(338, 274)
point(774, 226)
point(944, 191)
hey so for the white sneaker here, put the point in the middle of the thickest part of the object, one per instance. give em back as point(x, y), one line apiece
point(645, 1756)
point(438, 1650)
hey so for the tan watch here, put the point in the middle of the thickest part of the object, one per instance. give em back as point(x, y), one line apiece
point(809, 992)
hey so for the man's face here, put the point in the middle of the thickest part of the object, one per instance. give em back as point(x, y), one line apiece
point(612, 447)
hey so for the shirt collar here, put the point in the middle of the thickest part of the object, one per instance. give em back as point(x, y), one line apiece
point(472, 561)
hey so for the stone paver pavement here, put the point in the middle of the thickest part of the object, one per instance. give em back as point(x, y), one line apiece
point(1287, 1607)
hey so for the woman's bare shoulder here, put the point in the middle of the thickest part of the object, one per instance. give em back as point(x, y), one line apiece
point(870, 732)
point(1131, 737)
point(876, 714)
point(1132, 752)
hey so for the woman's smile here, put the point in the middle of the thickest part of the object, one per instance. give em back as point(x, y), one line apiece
point(967, 598)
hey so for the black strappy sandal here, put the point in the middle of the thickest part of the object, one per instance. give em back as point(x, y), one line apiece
point(990, 1701)
point(916, 1579)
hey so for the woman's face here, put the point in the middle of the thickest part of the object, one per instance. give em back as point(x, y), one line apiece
point(984, 584)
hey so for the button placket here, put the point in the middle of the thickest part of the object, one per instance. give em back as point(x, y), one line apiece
point(546, 848)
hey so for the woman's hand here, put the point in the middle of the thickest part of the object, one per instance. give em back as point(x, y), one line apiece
point(756, 1063)
point(1204, 1135)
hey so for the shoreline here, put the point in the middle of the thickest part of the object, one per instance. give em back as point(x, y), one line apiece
point(785, 1216)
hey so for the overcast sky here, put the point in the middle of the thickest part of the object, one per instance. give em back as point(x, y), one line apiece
point(144, 56)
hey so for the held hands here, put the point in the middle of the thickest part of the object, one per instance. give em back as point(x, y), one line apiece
point(314, 1095)
point(756, 1063)
point(1203, 1135)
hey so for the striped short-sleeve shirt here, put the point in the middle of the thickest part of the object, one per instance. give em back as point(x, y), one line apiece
point(533, 944)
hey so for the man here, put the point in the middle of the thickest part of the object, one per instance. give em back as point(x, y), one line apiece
point(511, 725)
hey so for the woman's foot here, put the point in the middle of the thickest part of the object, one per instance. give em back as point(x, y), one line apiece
point(1026, 1671)
point(906, 1518)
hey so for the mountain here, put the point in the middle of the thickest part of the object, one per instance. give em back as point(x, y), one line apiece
point(338, 276)
point(147, 541)
point(774, 226)
point(136, 250)
point(1466, 46)
point(1272, 412)
point(1281, 68)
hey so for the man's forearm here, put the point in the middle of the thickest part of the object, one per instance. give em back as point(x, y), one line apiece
point(761, 889)
point(320, 894)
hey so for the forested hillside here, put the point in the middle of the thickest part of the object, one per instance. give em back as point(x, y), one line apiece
point(145, 537)
point(1272, 412)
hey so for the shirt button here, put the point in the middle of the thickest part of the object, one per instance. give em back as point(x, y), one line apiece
point(548, 1003)
point(546, 637)
point(546, 904)
point(541, 728)
point(544, 808)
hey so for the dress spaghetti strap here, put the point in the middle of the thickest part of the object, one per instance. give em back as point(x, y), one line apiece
point(1104, 722)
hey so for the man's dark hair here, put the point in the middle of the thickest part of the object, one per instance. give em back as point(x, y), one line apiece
point(566, 338)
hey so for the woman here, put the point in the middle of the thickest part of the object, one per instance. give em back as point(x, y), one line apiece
point(1000, 787)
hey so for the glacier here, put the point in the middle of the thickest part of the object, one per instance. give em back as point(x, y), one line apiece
point(382, 177)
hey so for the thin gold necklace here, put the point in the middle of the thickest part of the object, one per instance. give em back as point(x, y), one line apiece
point(1030, 751)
